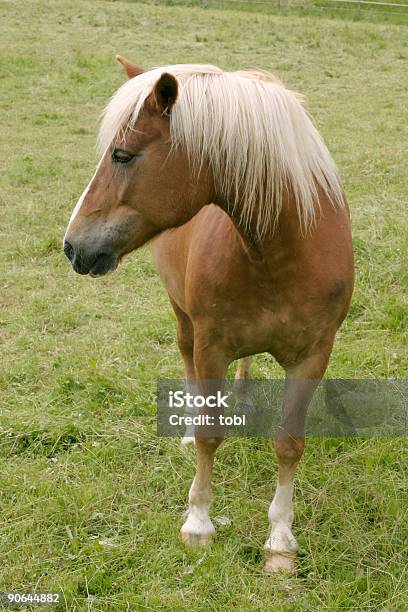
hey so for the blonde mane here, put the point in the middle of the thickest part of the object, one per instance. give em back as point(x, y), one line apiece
point(252, 130)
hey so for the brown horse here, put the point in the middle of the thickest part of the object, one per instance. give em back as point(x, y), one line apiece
point(252, 240)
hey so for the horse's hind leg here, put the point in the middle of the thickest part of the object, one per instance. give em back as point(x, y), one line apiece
point(244, 404)
point(244, 369)
point(211, 367)
point(301, 382)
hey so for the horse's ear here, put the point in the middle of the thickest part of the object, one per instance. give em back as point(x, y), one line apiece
point(164, 94)
point(131, 69)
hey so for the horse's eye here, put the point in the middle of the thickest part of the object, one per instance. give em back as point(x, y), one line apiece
point(120, 156)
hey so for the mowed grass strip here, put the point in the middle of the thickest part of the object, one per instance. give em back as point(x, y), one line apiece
point(91, 500)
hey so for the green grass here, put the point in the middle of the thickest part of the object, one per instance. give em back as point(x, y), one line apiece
point(90, 499)
point(334, 9)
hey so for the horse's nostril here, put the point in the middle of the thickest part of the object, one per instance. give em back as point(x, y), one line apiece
point(86, 261)
point(68, 250)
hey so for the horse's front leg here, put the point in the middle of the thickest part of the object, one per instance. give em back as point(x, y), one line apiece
point(210, 366)
point(281, 547)
point(198, 528)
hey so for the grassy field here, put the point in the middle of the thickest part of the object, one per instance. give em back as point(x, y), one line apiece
point(90, 498)
point(371, 11)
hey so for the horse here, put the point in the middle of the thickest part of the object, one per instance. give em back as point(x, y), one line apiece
point(228, 176)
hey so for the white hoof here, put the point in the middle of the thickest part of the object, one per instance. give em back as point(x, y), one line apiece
point(186, 440)
point(281, 548)
point(277, 562)
point(198, 528)
point(195, 539)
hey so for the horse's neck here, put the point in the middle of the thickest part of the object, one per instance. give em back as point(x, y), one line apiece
point(285, 236)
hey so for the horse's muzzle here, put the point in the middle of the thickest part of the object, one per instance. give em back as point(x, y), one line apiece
point(90, 262)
